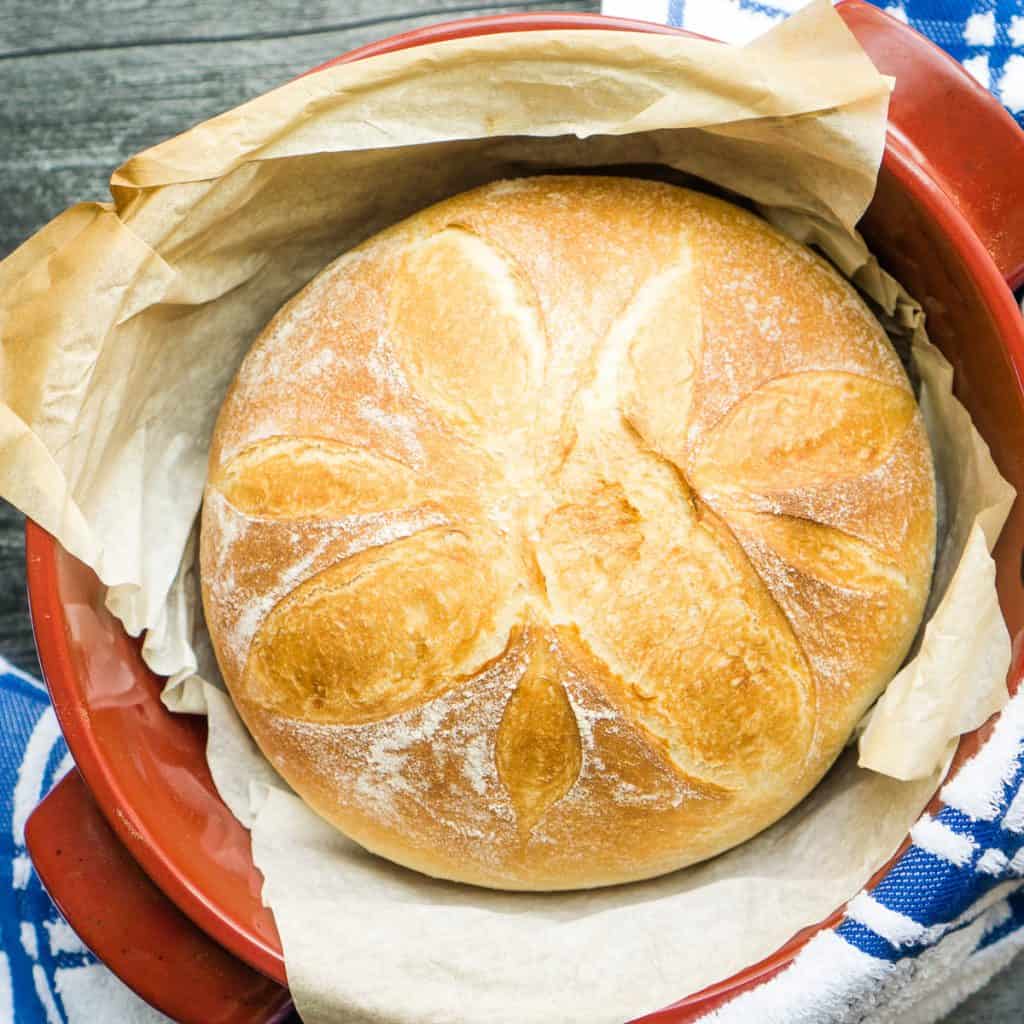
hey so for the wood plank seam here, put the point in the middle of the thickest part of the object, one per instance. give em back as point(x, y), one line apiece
point(343, 26)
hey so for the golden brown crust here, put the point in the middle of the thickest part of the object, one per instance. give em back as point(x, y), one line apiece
point(559, 535)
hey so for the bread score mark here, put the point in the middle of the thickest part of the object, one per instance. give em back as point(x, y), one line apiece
point(383, 631)
point(803, 429)
point(468, 334)
point(538, 750)
point(297, 478)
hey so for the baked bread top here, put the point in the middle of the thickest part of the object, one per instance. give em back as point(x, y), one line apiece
point(559, 535)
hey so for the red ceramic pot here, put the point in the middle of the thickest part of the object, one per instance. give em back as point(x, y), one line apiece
point(136, 847)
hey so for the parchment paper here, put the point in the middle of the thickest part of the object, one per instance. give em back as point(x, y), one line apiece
point(123, 323)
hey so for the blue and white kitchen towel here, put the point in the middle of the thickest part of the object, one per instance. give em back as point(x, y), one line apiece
point(46, 975)
point(944, 920)
point(986, 36)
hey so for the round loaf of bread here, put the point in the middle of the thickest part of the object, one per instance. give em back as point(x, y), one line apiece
point(559, 535)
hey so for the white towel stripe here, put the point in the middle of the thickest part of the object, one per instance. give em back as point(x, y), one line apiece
point(7, 669)
point(6, 989)
point(28, 790)
point(67, 762)
point(978, 788)
point(816, 984)
point(62, 938)
point(901, 930)
point(935, 838)
point(21, 870)
point(993, 862)
point(1013, 820)
point(42, 987)
point(29, 939)
point(893, 926)
point(1017, 863)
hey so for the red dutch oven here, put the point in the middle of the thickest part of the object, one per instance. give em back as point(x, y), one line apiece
point(136, 847)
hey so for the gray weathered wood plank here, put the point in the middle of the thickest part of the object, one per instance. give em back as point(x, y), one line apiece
point(30, 28)
point(15, 631)
point(68, 119)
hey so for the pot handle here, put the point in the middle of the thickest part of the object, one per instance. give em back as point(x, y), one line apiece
point(970, 144)
point(133, 927)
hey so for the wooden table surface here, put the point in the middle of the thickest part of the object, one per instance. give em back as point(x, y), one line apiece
point(86, 83)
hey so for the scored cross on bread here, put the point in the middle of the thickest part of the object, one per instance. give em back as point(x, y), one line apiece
point(560, 535)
